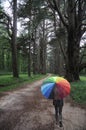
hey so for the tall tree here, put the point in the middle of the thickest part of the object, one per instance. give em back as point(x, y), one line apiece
point(74, 22)
point(43, 47)
point(13, 42)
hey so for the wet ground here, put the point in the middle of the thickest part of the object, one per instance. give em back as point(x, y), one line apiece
point(27, 109)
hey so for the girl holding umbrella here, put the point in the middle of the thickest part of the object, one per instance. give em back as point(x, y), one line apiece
point(56, 88)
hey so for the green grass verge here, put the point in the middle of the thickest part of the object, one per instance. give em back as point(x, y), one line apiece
point(78, 90)
point(7, 82)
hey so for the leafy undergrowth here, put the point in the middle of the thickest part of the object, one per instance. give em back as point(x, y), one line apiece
point(7, 82)
point(78, 90)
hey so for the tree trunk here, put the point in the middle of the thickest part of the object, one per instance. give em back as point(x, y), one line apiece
point(29, 60)
point(13, 42)
point(2, 59)
point(34, 57)
point(74, 35)
point(72, 65)
point(34, 53)
point(43, 50)
point(42, 57)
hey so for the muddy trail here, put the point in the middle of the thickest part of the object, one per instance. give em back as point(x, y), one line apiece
point(27, 109)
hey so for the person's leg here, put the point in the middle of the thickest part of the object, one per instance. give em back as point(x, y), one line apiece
point(60, 116)
point(56, 113)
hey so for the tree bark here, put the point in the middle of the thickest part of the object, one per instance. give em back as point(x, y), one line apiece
point(42, 57)
point(74, 35)
point(29, 60)
point(13, 42)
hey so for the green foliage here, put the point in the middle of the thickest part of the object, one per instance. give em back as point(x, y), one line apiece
point(78, 90)
point(37, 9)
point(5, 53)
point(7, 82)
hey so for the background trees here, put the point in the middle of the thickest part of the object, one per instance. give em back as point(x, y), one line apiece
point(49, 41)
point(73, 20)
point(11, 30)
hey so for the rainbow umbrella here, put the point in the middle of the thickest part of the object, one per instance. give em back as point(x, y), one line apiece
point(49, 85)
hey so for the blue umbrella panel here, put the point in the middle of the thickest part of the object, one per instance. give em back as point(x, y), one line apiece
point(48, 90)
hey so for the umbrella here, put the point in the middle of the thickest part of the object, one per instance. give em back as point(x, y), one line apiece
point(58, 84)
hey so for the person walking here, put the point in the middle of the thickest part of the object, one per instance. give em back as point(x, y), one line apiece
point(58, 105)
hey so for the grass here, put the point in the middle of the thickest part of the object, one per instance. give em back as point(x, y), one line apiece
point(78, 90)
point(7, 82)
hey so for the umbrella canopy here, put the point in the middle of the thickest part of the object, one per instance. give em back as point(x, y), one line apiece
point(59, 84)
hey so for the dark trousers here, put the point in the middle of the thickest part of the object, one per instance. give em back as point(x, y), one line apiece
point(58, 113)
point(58, 104)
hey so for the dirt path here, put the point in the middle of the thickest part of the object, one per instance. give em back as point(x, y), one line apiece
point(27, 109)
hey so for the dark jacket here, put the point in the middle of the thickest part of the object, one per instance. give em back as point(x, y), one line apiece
point(58, 102)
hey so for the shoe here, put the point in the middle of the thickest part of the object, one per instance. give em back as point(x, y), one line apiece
point(60, 124)
point(56, 121)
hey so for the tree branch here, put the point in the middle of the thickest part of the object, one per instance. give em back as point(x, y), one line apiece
point(59, 13)
point(7, 28)
point(6, 22)
point(63, 52)
point(82, 66)
point(82, 58)
point(84, 46)
point(83, 30)
point(51, 4)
